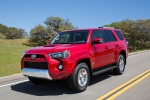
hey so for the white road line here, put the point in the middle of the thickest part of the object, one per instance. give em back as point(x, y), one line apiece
point(13, 83)
point(133, 55)
point(136, 54)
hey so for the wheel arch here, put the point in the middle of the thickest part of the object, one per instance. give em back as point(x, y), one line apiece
point(87, 61)
point(123, 52)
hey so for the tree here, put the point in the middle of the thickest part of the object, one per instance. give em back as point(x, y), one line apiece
point(14, 33)
point(3, 30)
point(40, 35)
point(136, 32)
point(57, 24)
point(11, 32)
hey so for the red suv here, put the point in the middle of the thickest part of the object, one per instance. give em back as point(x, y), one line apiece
point(76, 55)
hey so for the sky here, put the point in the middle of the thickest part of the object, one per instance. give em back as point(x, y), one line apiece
point(27, 14)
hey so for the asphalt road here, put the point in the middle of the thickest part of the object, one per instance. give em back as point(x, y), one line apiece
point(18, 87)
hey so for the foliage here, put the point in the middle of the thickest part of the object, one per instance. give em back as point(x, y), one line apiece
point(3, 30)
point(57, 24)
point(136, 32)
point(14, 33)
point(11, 32)
point(40, 35)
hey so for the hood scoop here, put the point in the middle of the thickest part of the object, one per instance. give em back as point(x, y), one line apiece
point(49, 45)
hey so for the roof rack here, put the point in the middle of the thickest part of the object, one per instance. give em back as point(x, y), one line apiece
point(106, 27)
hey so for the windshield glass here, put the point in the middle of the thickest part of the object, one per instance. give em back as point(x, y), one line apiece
point(71, 37)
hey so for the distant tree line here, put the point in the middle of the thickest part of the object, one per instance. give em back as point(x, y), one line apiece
point(11, 32)
point(136, 32)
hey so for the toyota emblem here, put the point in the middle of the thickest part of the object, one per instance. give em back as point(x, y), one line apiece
point(33, 56)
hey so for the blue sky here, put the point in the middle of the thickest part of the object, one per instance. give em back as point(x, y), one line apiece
point(27, 14)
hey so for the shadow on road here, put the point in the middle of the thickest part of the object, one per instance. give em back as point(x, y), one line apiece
point(53, 88)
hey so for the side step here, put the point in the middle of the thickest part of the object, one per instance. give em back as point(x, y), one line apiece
point(102, 70)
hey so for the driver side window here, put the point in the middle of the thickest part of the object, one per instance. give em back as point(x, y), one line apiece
point(62, 38)
point(97, 34)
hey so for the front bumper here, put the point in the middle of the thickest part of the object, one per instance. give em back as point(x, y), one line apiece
point(38, 73)
point(51, 72)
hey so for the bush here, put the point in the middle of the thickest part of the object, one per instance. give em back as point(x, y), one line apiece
point(11, 32)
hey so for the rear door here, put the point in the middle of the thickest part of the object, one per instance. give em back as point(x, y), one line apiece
point(111, 45)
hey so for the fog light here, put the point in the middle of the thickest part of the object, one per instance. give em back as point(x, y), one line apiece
point(60, 67)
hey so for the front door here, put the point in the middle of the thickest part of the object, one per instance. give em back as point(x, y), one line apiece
point(100, 50)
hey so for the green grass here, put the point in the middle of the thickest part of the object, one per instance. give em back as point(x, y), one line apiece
point(10, 56)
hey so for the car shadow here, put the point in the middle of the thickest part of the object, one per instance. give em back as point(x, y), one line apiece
point(53, 88)
point(100, 77)
point(48, 88)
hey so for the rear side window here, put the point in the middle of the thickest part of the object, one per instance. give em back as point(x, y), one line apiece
point(119, 35)
point(109, 37)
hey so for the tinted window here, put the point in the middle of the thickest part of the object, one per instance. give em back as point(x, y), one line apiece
point(119, 35)
point(98, 34)
point(109, 36)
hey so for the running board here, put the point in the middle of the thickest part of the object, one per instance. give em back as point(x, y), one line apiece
point(103, 69)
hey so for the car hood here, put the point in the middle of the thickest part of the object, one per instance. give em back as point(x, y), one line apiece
point(56, 48)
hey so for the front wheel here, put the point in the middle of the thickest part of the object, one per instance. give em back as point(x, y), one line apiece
point(120, 65)
point(79, 80)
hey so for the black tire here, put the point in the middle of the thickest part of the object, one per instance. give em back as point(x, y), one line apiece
point(120, 65)
point(36, 81)
point(79, 81)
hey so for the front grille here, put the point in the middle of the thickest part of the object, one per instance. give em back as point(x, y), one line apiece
point(37, 56)
point(36, 65)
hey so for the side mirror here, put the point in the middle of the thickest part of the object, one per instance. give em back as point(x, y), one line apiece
point(127, 42)
point(97, 40)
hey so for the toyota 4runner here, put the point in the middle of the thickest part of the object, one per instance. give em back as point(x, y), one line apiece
point(76, 55)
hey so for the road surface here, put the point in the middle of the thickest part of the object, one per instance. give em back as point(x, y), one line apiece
point(137, 75)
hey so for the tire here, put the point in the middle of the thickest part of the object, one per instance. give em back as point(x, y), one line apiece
point(79, 80)
point(120, 65)
point(36, 81)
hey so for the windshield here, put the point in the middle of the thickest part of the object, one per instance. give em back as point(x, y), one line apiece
point(71, 37)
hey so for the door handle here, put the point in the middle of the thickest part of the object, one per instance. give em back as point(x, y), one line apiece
point(117, 45)
point(106, 47)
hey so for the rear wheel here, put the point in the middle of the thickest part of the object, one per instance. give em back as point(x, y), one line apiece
point(79, 80)
point(36, 81)
point(120, 65)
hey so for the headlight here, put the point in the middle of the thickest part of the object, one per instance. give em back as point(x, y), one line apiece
point(59, 55)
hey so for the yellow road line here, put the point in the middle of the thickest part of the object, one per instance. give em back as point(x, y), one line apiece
point(122, 88)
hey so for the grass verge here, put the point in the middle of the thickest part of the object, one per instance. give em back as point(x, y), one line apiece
point(10, 56)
